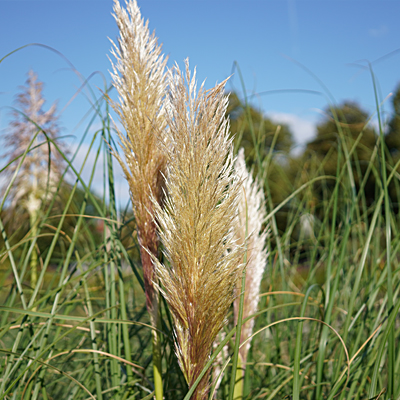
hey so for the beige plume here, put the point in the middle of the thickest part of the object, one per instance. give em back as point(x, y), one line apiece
point(204, 263)
point(140, 79)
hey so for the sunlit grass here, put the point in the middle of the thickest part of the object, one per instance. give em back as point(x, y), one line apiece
point(326, 325)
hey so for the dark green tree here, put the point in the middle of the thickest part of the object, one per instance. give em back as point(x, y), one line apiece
point(342, 128)
point(348, 123)
point(255, 132)
point(392, 137)
point(257, 135)
point(346, 126)
point(392, 141)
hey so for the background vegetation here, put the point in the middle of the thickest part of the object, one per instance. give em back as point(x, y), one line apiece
point(328, 317)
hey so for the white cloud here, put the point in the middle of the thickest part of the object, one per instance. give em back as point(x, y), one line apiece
point(303, 129)
point(382, 31)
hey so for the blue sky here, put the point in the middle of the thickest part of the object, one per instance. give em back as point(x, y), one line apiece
point(267, 38)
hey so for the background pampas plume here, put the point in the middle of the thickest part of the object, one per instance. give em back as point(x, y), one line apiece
point(34, 177)
point(196, 222)
point(139, 77)
point(249, 232)
point(32, 126)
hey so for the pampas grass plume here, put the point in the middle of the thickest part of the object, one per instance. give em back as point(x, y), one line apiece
point(33, 185)
point(139, 77)
point(196, 222)
point(250, 218)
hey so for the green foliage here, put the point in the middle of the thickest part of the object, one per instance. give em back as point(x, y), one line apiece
point(254, 132)
point(392, 138)
point(347, 126)
point(18, 226)
point(84, 331)
point(344, 139)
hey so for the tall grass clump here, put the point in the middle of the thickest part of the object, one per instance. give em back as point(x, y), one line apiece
point(185, 258)
point(139, 77)
point(204, 262)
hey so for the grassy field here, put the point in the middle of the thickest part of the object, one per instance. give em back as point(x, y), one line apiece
point(327, 324)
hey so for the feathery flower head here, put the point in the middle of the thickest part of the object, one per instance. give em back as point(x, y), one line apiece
point(196, 221)
point(250, 219)
point(139, 77)
point(42, 166)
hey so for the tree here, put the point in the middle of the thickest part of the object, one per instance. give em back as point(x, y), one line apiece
point(342, 128)
point(256, 133)
point(253, 130)
point(392, 141)
point(392, 137)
